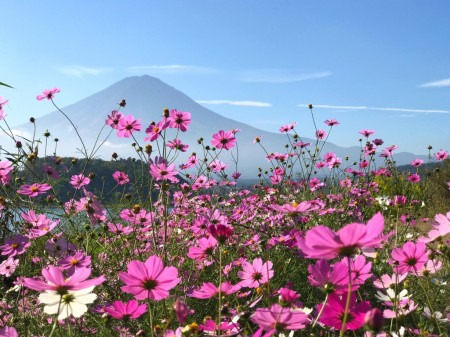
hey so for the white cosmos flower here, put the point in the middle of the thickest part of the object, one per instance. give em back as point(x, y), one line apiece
point(391, 296)
point(72, 303)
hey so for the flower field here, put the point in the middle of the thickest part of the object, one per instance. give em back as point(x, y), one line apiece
point(320, 246)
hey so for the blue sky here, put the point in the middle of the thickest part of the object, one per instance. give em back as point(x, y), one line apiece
point(381, 65)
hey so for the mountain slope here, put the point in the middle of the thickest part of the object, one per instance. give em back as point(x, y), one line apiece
point(146, 98)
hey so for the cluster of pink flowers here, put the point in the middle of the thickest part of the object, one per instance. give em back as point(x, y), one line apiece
point(236, 256)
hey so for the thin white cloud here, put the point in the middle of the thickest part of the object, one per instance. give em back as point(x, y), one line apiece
point(22, 134)
point(114, 146)
point(80, 71)
point(350, 107)
point(280, 75)
point(171, 69)
point(437, 84)
point(239, 103)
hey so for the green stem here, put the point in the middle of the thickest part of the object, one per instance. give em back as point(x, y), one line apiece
point(347, 303)
point(220, 290)
point(150, 317)
point(56, 319)
point(320, 312)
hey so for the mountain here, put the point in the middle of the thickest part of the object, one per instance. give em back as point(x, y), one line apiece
point(146, 98)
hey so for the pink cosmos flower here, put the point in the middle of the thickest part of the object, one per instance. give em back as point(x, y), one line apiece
point(127, 125)
point(34, 190)
point(288, 297)
point(50, 171)
point(386, 281)
point(56, 281)
point(217, 166)
point(154, 130)
point(48, 93)
point(149, 279)
point(441, 227)
point(236, 175)
point(128, 310)
point(114, 119)
point(8, 267)
point(278, 319)
point(176, 144)
point(7, 331)
point(223, 140)
point(79, 180)
point(321, 134)
point(294, 208)
point(333, 313)
point(220, 232)
point(255, 274)
point(414, 178)
point(121, 178)
point(366, 133)
point(3, 102)
point(5, 168)
point(226, 329)
point(72, 262)
point(179, 119)
point(331, 122)
point(327, 278)
point(205, 248)
point(410, 258)
point(360, 270)
point(322, 242)
point(40, 224)
point(302, 144)
point(58, 246)
point(208, 290)
point(161, 171)
point(417, 162)
point(287, 128)
point(441, 155)
point(16, 245)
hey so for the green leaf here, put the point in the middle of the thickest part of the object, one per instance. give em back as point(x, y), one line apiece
point(6, 85)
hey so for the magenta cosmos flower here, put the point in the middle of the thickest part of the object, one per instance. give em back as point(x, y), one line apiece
point(321, 134)
point(56, 280)
point(121, 178)
point(128, 310)
point(410, 258)
point(113, 119)
point(277, 319)
point(48, 93)
point(223, 140)
point(149, 279)
point(79, 180)
point(333, 313)
point(256, 273)
point(208, 290)
point(15, 245)
point(322, 243)
point(33, 190)
point(179, 119)
point(162, 171)
point(127, 125)
point(441, 155)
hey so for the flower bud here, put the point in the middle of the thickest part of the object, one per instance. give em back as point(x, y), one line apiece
point(181, 310)
point(374, 319)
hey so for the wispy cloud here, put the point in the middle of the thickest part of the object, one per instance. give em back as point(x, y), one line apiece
point(350, 107)
point(80, 71)
point(114, 146)
point(171, 69)
point(240, 103)
point(280, 75)
point(437, 84)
